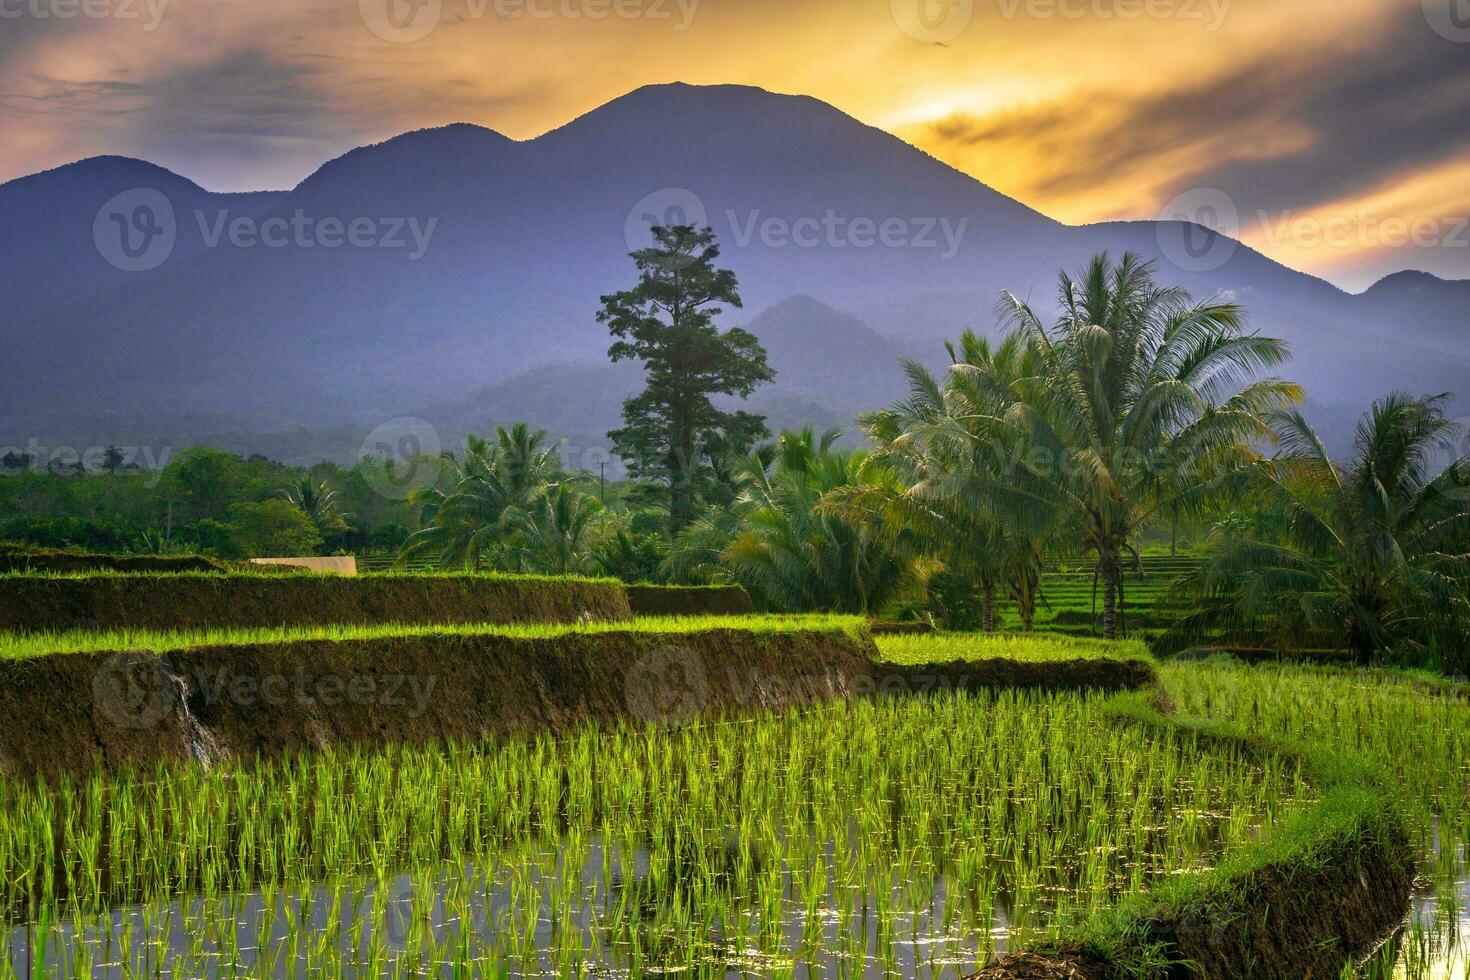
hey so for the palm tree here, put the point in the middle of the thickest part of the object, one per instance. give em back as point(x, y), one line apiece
point(1141, 400)
point(1372, 557)
point(550, 536)
point(467, 522)
point(945, 447)
point(317, 501)
point(791, 553)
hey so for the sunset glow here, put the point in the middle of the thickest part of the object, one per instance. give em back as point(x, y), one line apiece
point(1295, 107)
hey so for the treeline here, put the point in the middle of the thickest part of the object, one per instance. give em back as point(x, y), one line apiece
point(1133, 413)
point(205, 501)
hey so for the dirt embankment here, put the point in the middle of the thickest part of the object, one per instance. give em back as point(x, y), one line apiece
point(182, 602)
point(1093, 674)
point(713, 600)
point(73, 713)
point(22, 558)
point(1287, 921)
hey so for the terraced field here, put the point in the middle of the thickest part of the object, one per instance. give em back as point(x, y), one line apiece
point(1072, 602)
point(715, 796)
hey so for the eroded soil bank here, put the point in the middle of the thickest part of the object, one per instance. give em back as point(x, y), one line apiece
point(183, 602)
point(73, 713)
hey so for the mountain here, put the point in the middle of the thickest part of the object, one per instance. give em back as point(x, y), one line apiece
point(1439, 306)
point(829, 367)
point(455, 274)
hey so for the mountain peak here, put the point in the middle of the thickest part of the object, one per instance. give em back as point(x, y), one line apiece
point(109, 169)
point(1407, 279)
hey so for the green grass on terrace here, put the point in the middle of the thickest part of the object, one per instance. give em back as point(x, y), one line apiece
point(283, 572)
point(944, 647)
point(14, 647)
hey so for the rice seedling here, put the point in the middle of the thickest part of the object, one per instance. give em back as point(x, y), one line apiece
point(21, 645)
point(915, 836)
point(1415, 729)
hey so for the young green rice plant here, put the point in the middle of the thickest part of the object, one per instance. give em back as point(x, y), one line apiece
point(1414, 728)
point(911, 835)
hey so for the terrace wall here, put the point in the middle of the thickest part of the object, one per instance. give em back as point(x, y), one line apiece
point(75, 713)
point(712, 600)
point(183, 601)
point(1322, 894)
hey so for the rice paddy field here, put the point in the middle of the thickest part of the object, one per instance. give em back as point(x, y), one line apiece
point(873, 837)
point(1072, 602)
point(1416, 729)
point(906, 836)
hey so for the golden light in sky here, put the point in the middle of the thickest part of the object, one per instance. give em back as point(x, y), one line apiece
point(1086, 110)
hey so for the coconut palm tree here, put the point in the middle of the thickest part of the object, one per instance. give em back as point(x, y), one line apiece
point(1372, 557)
point(944, 447)
point(467, 522)
point(318, 501)
point(791, 553)
point(551, 535)
point(1141, 400)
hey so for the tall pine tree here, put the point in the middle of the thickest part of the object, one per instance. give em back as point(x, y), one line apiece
point(672, 431)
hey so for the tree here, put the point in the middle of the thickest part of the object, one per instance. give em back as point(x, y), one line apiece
point(467, 522)
point(205, 482)
point(945, 446)
point(1372, 557)
point(273, 529)
point(1142, 401)
point(318, 502)
point(551, 536)
point(672, 429)
point(789, 551)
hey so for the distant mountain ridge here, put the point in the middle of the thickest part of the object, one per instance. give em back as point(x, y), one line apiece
point(852, 248)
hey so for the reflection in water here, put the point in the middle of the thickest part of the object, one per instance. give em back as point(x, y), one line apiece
point(531, 917)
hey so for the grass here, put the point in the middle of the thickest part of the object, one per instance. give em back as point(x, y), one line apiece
point(282, 571)
point(1069, 604)
point(20, 646)
point(1413, 729)
point(907, 835)
point(944, 647)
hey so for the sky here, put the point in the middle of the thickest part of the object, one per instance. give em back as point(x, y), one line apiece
point(1333, 135)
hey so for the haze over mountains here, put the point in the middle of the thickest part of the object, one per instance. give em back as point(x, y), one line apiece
point(454, 274)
